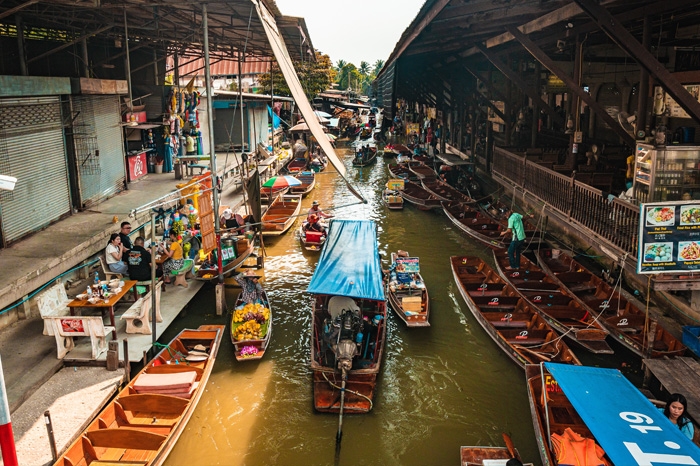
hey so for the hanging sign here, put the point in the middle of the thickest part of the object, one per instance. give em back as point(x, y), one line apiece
point(669, 237)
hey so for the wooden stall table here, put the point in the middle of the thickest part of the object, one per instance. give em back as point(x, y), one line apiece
point(103, 305)
point(679, 375)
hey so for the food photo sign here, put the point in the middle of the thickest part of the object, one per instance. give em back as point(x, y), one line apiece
point(669, 237)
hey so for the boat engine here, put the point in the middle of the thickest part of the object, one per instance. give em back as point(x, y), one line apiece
point(349, 337)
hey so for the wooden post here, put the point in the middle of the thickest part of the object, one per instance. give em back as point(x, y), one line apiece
point(651, 336)
point(49, 431)
point(127, 362)
point(112, 355)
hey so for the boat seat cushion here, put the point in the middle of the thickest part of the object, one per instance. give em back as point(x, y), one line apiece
point(155, 383)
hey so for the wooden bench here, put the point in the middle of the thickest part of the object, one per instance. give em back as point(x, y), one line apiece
point(181, 273)
point(53, 302)
point(138, 316)
point(67, 328)
point(192, 166)
point(109, 275)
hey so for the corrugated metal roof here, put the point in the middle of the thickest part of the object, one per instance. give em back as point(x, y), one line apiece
point(219, 67)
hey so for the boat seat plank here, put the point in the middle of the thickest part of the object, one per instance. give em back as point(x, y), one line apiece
point(125, 438)
point(118, 463)
point(574, 277)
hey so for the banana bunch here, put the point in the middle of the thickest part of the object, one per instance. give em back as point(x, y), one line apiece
point(238, 315)
point(250, 330)
point(250, 311)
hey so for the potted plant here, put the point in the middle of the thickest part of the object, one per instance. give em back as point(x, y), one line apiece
point(159, 164)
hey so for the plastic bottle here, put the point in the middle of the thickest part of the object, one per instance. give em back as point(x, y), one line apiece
point(89, 292)
point(97, 279)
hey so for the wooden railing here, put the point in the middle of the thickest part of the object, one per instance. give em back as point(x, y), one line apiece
point(615, 221)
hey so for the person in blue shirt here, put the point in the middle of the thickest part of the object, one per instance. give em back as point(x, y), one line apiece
point(515, 226)
point(676, 411)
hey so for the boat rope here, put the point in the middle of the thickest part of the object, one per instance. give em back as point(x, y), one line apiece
point(347, 390)
point(170, 352)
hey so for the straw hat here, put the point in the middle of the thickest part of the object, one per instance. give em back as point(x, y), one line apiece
point(252, 274)
point(227, 214)
point(314, 203)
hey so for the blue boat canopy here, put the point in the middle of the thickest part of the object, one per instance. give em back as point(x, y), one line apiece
point(349, 263)
point(630, 429)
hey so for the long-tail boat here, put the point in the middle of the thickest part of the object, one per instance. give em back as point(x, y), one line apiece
point(442, 189)
point(592, 415)
point(348, 323)
point(420, 197)
point(509, 320)
point(142, 423)
point(308, 182)
point(250, 340)
point(555, 303)
point(281, 214)
point(401, 170)
point(627, 322)
point(406, 291)
point(422, 171)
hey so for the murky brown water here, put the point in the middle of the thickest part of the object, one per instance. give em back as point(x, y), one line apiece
point(440, 387)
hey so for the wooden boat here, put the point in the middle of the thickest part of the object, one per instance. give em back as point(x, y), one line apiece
point(142, 423)
point(409, 300)
point(392, 199)
point(510, 321)
point(475, 456)
point(559, 307)
point(250, 344)
point(400, 170)
point(399, 149)
point(420, 197)
point(297, 165)
point(623, 319)
point(363, 161)
point(617, 421)
point(312, 240)
point(308, 183)
point(267, 193)
point(444, 190)
point(422, 171)
point(476, 224)
point(240, 246)
point(281, 214)
point(346, 289)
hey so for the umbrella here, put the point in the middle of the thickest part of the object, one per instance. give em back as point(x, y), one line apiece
point(322, 120)
point(281, 181)
point(323, 114)
point(299, 127)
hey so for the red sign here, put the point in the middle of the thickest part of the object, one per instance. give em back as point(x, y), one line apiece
point(137, 165)
point(138, 117)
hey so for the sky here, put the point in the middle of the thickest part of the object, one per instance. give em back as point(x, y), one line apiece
point(354, 30)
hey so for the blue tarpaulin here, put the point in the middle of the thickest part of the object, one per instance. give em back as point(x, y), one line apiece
point(275, 119)
point(624, 422)
point(349, 263)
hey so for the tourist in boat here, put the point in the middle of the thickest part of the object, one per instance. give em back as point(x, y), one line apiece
point(313, 224)
point(676, 411)
point(114, 254)
point(124, 234)
point(316, 210)
point(175, 259)
point(516, 228)
point(251, 289)
point(139, 262)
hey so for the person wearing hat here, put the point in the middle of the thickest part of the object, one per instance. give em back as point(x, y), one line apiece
point(251, 289)
point(312, 224)
point(316, 210)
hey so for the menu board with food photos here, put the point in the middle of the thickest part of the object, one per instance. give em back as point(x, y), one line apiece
point(669, 237)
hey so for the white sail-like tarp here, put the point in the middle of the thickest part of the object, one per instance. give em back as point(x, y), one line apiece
point(290, 75)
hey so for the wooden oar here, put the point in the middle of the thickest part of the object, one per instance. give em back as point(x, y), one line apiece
point(511, 448)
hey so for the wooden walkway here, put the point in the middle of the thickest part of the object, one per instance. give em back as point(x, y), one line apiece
point(679, 375)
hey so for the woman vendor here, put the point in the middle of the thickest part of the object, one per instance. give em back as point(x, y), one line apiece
point(114, 253)
point(175, 259)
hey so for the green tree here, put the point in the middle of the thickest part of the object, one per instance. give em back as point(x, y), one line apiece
point(315, 77)
point(378, 65)
point(364, 68)
point(340, 65)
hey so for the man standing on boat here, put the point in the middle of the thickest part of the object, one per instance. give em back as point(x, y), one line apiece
point(515, 226)
point(316, 210)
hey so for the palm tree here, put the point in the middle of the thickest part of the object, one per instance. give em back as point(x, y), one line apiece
point(340, 65)
point(378, 65)
point(364, 68)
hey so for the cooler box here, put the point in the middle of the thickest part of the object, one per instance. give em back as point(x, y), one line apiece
point(691, 338)
point(313, 236)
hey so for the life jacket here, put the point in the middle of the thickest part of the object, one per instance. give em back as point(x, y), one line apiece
point(572, 449)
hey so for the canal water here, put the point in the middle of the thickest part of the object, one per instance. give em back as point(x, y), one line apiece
point(440, 387)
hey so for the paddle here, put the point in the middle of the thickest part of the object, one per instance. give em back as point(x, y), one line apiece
point(511, 448)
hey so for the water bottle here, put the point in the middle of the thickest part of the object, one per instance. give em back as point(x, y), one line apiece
point(89, 292)
point(97, 279)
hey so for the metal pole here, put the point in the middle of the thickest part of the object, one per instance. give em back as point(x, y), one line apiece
point(128, 63)
point(21, 46)
point(49, 430)
point(7, 438)
point(220, 296)
point(154, 280)
point(240, 100)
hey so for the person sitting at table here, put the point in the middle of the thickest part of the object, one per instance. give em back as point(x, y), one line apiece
point(676, 411)
point(139, 262)
point(114, 254)
point(124, 234)
point(174, 254)
point(189, 145)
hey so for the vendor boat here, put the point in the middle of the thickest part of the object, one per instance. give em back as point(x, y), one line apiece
point(555, 304)
point(297, 165)
point(235, 250)
point(627, 322)
point(251, 328)
point(406, 291)
point(420, 197)
point(281, 214)
point(592, 415)
point(308, 183)
point(348, 323)
point(141, 425)
point(364, 160)
point(313, 240)
point(510, 321)
point(392, 199)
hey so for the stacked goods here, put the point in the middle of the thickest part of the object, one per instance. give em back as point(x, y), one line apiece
point(251, 322)
point(180, 384)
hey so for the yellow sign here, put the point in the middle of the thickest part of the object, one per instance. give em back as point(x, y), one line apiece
point(395, 184)
point(412, 128)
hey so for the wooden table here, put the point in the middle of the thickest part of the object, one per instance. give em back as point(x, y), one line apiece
point(679, 375)
point(103, 305)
